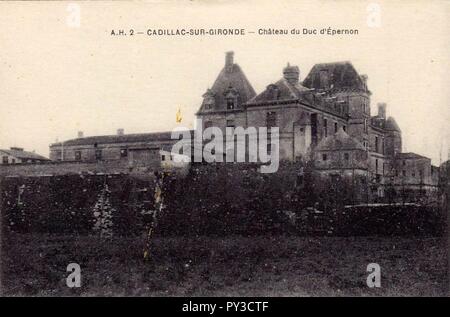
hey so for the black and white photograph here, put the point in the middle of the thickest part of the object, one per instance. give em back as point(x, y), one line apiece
point(209, 149)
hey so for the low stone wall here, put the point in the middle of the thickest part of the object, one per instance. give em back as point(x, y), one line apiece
point(78, 168)
point(64, 168)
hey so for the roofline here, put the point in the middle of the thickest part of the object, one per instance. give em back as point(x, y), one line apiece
point(40, 157)
point(115, 135)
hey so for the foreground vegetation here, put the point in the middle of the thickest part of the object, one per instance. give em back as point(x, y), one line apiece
point(35, 264)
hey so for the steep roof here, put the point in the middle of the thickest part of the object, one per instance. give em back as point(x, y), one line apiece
point(339, 141)
point(126, 138)
point(281, 90)
point(24, 155)
point(391, 125)
point(231, 77)
point(339, 75)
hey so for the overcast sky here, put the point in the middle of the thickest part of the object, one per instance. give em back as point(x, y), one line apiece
point(57, 80)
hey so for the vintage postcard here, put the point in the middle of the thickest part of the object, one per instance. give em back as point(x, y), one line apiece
point(224, 148)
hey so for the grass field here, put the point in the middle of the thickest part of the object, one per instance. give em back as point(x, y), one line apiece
point(239, 266)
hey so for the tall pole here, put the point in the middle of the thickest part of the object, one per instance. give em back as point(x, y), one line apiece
point(1, 236)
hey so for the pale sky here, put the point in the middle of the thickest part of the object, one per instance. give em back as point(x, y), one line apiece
point(57, 80)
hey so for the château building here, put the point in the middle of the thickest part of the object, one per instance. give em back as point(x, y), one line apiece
point(324, 119)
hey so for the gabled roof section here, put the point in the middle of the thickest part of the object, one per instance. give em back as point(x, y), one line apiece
point(337, 75)
point(339, 141)
point(24, 155)
point(231, 78)
point(279, 91)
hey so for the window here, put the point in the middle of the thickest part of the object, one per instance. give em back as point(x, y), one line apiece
point(269, 148)
point(324, 157)
point(335, 127)
point(376, 144)
point(98, 154)
point(163, 157)
point(325, 127)
point(77, 155)
point(123, 152)
point(13, 161)
point(5, 160)
point(376, 165)
point(313, 119)
point(271, 119)
point(413, 174)
point(365, 125)
point(230, 103)
point(404, 162)
point(346, 156)
point(404, 173)
point(273, 92)
point(366, 144)
point(344, 128)
point(230, 123)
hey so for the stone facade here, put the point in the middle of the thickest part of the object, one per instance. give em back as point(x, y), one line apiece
point(134, 150)
point(325, 119)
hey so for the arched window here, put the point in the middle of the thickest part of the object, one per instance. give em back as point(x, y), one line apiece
point(230, 103)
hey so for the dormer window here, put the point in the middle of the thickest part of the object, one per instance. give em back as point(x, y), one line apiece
point(273, 92)
point(208, 100)
point(323, 77)
point(230, 104)
point(231, 96)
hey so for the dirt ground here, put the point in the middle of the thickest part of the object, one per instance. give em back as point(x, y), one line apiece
point(229, 266)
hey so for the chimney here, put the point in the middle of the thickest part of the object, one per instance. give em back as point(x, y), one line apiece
point(80, 134)
point(120, 132)
point(291, 74)
point(229, 61)
point(382, 110)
